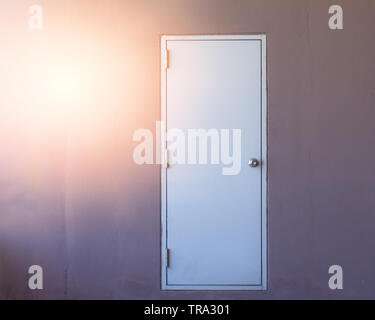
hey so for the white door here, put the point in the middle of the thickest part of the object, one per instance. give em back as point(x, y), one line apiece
point(214, 188)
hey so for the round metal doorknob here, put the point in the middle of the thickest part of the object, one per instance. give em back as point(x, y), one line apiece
point(253, 163)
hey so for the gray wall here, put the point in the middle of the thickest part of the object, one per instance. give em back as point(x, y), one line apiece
point(73, 201)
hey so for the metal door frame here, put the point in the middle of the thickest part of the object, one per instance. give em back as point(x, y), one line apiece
point(164, 65)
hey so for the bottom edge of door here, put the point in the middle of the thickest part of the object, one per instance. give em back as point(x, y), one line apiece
point(215, 288)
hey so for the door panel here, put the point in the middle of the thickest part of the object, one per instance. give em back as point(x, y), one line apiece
point(214, 221)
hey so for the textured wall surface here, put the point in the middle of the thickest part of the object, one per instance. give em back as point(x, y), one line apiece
point(73, 201)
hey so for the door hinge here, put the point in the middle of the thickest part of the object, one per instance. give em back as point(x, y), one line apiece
point(168, 258)
point(167, 154)
point(166, 59)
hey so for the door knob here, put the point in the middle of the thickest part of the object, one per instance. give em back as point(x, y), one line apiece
point(253, 163)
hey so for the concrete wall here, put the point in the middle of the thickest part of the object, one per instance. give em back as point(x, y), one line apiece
point(73, 201)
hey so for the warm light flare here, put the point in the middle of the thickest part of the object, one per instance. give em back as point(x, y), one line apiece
point(59, 108)
point(66, 83)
